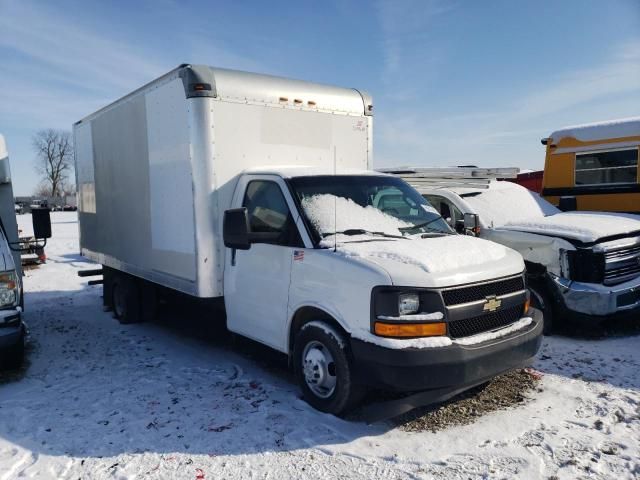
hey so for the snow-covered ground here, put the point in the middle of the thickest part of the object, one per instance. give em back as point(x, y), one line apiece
point(101, 400)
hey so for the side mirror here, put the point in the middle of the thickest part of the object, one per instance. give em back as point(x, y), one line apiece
point(41, 222)
point(472, 223)
point(568, 204)
point(235, 229)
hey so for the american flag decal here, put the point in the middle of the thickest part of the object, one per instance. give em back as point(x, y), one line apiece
point(298, 255)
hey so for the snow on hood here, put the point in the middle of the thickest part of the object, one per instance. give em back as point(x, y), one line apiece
point(433, 255)
point(448, 253)
point(330, 213)
point(582, 226)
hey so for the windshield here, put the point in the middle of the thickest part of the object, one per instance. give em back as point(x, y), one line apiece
point(365, 204)
point(506, 202)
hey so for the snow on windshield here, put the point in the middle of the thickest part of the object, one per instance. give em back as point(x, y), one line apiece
point(505, 202)
point(330, 214)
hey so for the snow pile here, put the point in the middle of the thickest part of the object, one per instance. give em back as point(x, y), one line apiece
point(329, 214)
point(624, 127)
point(504, 201)
point(486, 336)
point(582, 226)
point(417, 317)
point(435, 254)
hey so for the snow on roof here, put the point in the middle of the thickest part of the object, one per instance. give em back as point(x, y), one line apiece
point(3, 148)
point(623, 127)
point(504, 202)
point(290, 171)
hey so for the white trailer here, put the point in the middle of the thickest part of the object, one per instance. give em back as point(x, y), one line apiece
point(257, 191)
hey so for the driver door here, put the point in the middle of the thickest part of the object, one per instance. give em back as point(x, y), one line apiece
point(256, 285)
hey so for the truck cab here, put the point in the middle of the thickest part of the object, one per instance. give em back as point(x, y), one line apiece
point(580, 265)
point(362, 282)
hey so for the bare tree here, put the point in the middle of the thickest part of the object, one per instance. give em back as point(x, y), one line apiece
point(54, 151)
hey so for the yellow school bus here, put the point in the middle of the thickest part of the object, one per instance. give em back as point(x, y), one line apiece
point(594, 167)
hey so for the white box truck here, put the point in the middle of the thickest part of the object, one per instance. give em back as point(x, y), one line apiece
point(256, 191)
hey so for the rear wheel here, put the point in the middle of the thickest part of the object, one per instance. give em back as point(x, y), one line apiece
point(125, 300)
point(323, 369)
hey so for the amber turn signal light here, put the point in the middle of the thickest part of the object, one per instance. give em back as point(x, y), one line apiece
point(527, 304)
point(405, 330)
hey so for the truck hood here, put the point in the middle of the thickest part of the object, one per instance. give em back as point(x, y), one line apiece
point(435, 261)
point(585, 227)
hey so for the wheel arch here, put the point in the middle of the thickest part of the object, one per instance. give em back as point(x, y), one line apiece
point(309, 313)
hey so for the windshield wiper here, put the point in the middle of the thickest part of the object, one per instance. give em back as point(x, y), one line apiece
point(422, 225)
point(360, 231)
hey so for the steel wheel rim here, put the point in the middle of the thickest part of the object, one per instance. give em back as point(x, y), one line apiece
point(319, 370)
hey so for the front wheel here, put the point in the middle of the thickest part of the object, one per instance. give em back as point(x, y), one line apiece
point(13, 358)
point(543, 303)
point(323, 369)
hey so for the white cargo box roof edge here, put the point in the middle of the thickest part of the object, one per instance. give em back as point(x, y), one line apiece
point(3, 148)
point(256, 88)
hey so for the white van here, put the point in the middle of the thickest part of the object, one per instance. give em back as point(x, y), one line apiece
point(254, 192)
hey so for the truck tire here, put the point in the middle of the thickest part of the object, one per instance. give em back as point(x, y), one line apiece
point(323, 369)
point(148, 302)
point(542, 301)
point(125, 300)
point(13, 357)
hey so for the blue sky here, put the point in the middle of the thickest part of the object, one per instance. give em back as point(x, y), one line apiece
point(453, 82)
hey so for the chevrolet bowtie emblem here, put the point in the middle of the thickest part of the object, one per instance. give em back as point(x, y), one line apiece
point(492, 304)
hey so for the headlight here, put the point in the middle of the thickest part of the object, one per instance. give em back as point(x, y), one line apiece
point(408, 303)
point(8, 289)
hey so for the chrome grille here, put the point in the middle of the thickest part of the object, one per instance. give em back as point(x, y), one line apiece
point(621, 265)
point(473, 293)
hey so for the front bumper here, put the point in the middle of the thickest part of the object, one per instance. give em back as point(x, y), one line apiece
point(598, 300)
point(12, 329)
point(452, 367)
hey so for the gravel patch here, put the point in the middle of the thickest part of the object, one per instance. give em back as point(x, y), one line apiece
point(502, 392)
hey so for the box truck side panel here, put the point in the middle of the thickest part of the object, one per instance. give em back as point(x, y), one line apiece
point(121, 165)
point(134, 174)
point(170, 184)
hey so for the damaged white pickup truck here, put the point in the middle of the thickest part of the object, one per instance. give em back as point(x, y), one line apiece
point(581, 266)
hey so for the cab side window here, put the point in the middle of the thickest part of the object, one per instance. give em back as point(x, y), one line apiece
point(447, 209)
point(269, 213)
